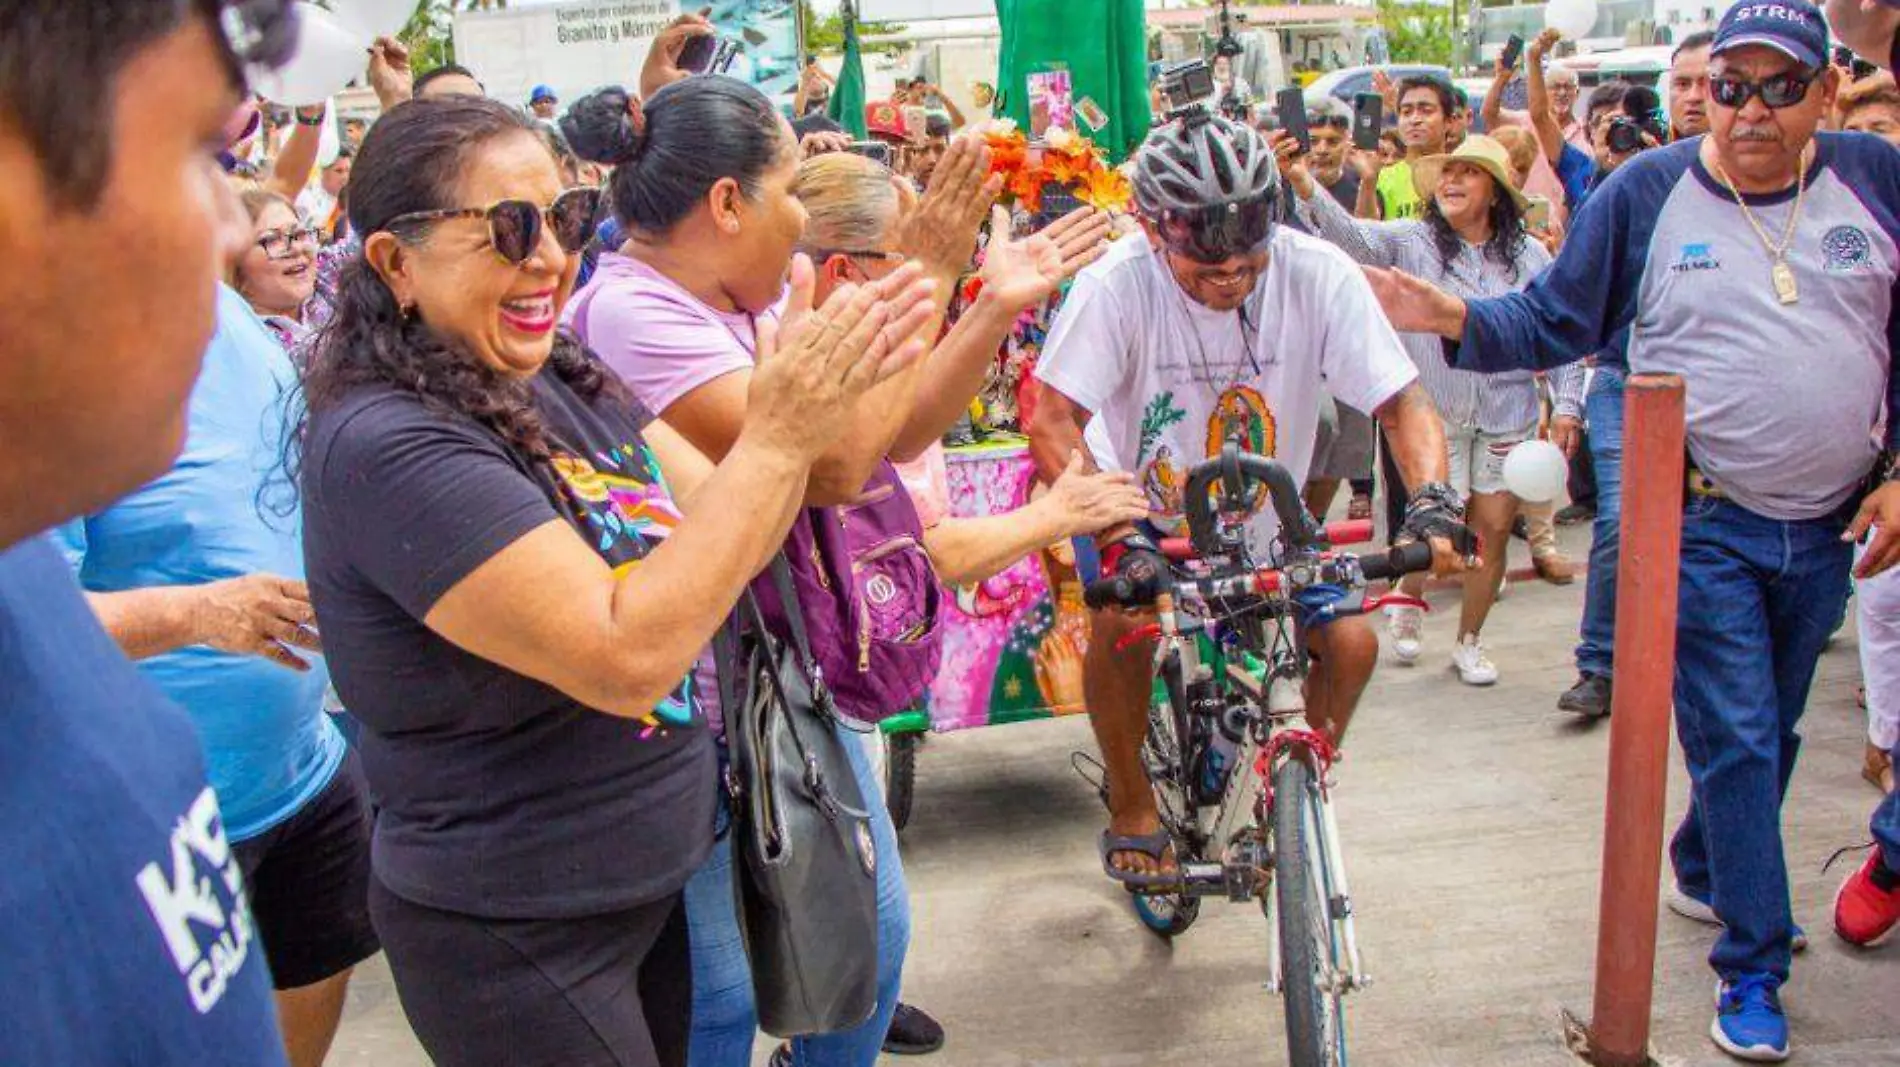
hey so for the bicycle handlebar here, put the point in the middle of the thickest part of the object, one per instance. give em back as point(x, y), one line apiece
point(1232, 470)
point(1397, 562)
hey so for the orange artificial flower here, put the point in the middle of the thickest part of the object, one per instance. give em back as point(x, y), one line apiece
point(1106, 190)
point(1026, 187)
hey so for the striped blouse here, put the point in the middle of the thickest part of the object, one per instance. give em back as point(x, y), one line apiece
point(1494, 403)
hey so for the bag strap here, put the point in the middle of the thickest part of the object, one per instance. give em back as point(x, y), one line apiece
point(795, 617)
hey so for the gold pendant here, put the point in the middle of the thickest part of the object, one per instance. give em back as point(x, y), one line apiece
point(1785, 287)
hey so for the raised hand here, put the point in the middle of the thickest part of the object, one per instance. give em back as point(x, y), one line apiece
point(1540, 46)
point(390, 75)
point(662, 67)
point(1082, 236)
point(1286, 150)
point(814, 366)
point(941, 233)
point(256, 615)
point(1415, 305)
point(1019, 274)
point(820, 143)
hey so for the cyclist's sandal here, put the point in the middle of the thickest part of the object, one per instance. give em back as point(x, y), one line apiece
point(1156, 846)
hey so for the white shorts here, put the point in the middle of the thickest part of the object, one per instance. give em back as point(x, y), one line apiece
point(1477, 458)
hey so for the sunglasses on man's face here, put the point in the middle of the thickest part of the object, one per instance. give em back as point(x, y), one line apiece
point(1776, 91)
point(514, 226)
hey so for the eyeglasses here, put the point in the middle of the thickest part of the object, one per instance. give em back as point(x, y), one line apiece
point(277, 243)
point(819, 255)
point(1337, 122)
point(514, 226)
point(1216, 234)
point(259, 35)
point(1777, 91)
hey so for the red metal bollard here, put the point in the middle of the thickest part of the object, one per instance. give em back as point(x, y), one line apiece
point(1647, 578)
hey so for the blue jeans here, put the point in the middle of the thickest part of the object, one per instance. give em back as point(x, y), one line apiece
point(724, 1020)
point(1759, 599)
point(1603, 410)
point(1886, 825)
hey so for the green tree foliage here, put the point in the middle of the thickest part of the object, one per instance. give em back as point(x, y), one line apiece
point(1418, 32)
point(825, 33)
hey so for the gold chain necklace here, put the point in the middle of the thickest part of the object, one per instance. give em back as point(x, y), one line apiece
point(1782, 275)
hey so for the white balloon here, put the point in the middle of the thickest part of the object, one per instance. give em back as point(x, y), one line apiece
point(329, 55)
point(1536, 471)
point(1572, 18)
point(370, 19)
point(329, 141)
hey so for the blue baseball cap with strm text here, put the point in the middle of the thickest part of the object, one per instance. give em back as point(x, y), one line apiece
point(1792, 27)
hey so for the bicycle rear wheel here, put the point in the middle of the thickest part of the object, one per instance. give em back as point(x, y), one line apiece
point(1310, 968)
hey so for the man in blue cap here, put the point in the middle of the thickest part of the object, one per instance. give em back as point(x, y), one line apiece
point(544, 103)
point(1758, 262)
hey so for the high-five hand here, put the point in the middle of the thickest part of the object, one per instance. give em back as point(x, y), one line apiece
point(1415, 305)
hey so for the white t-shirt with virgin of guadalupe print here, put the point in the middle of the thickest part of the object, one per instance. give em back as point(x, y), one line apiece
point(1170, 380)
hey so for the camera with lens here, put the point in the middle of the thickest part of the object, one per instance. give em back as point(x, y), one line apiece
point(1642, 114)
point(1187, 85)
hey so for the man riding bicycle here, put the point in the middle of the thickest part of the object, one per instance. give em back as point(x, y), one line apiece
point(1214, 324)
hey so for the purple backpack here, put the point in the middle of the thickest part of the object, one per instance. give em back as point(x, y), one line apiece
point(869, 596)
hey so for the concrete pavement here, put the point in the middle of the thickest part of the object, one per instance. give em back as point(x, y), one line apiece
point(1472, 822)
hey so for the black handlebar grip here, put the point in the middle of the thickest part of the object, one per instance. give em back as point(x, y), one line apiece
point(1402, 560)
point(1108, 593)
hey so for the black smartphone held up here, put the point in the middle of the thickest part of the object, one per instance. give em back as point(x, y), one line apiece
point(696, 55)
point(872, 150)
point(1290, 108)
point(1513, 48)
point(1368, 120)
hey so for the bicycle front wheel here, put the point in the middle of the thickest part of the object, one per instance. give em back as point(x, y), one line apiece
point(1310, 969)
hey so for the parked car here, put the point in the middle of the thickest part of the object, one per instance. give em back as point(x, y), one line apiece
point(1343, 84)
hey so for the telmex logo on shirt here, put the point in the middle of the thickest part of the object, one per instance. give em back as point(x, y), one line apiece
point(1695, 257)
point(192, 908)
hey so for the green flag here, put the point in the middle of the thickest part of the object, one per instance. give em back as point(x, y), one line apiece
point(1109, 68)
point(847, 97)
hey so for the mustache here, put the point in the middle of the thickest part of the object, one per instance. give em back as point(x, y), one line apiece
point(1754, 133)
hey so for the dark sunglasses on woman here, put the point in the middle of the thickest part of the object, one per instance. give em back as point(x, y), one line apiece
point(514, 226)
point(1777, 91)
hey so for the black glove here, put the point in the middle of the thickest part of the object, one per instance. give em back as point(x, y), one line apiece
point(1134, 573)
point(1436, 511)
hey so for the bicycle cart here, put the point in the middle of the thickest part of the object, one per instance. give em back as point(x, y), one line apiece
point(1013, 645)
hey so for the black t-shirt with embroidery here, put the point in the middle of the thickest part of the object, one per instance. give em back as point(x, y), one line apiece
point(499, 795)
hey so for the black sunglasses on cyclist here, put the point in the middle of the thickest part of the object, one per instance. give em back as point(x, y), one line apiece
point(514, 226)
point(1216, 234)
point(1778, 91)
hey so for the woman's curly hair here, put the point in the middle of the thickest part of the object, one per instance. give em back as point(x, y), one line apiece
point(410, 162)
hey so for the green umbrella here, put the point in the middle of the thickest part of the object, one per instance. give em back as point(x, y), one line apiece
point(847, 97)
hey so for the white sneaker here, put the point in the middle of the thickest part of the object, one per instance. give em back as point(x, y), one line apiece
point(1690, 908)
point(1405, 625)
point(1473, 666)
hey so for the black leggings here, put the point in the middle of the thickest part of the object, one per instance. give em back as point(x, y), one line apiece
point(611, 990)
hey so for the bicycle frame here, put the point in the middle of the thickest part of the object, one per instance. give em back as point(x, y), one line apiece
point(1239, 828)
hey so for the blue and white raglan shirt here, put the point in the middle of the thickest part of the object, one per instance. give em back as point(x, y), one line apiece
point(1783, 400)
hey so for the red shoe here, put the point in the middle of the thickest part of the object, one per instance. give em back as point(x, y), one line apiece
point(1864, 913)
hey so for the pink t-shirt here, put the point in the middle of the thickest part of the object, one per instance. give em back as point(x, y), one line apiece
point(927, 479)
point(663, 341)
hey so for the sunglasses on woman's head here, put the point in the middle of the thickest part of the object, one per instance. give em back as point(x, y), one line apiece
point(1776, 91)
point(514, 226)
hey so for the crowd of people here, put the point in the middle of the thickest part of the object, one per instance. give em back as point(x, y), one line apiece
point(370, 609)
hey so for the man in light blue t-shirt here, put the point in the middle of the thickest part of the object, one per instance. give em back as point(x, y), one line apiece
point(199, 579)
point(1760, 263)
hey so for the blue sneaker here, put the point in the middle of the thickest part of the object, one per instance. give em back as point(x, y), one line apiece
point(1748, 1022)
